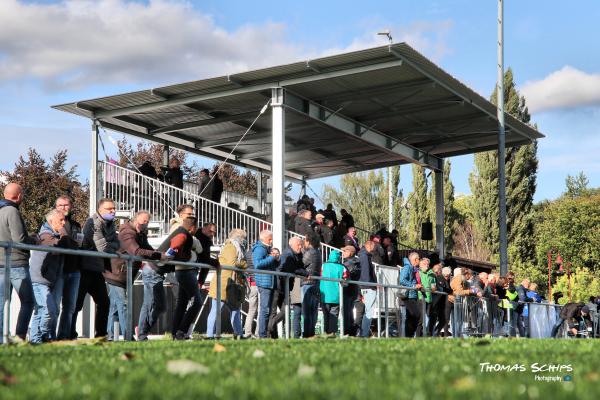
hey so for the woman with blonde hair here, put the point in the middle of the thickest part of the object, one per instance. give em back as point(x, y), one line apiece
point(233, 254)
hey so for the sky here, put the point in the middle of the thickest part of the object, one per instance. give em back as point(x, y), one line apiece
point(53, 52)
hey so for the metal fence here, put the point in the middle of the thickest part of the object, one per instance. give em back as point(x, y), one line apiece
point(382, 289)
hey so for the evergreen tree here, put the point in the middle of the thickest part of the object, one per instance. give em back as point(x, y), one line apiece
point(418, 210)
point(521, 170)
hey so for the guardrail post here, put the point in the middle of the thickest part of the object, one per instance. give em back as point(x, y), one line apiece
point(129, 312)
point(378, 304)
point(385, 310)
point(341, 319)
point(218, 320)
point(287, 307)
point(455, 318)
point(7, 292)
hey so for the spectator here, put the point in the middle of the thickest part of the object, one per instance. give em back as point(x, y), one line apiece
point(351, 291)
point(303, 223)
point(408, 279)
point(330, 292)
point(576, 315)
point(327, 232)
point(318, 225)
point(378, 255)
point(312, 262)
point(265, 258)
point(437, 308)
point(351, 240)
point(522, 322)
point(188, 295)
point(178, 247)
point(444, 283)
point(71, 270)
point(369, 294)
point(252, 301)
point(311, 206)
point(205, 185)
point(391, 253)
point(427, 279)
point(338, 235)
point(133, 239)
point(330, 214)
point(12, 228)
point(99, 234)
point(382, 232)
point(205, 236)
point(394, 237)
point(303, 204)
point(347, 219)
point(534, 297)
point(233, 254)
point(147, 169)
point(217, 188)
point(46, 271)
point(173, 175)
point(183, 211)
point(291, 263)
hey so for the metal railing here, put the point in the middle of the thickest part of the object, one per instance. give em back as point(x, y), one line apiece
point(9, 246)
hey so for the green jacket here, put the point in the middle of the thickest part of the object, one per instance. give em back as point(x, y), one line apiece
point(333, 268)
point(427, 279)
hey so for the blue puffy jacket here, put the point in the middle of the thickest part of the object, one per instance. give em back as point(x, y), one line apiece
point(408, 279)
point(261, 259)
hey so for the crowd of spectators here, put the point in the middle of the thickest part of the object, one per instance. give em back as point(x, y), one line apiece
point(52, 286)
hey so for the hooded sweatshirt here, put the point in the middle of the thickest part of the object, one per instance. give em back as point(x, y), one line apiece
point(333, 268)
point(45, 267)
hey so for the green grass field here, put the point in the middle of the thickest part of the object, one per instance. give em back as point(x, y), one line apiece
point(308, 369)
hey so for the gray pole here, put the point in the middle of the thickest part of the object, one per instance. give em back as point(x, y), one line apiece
point(129, 314)
point(7, 293)
point(390, 201)
point(94, 172)
point(278, 163)
point(501, 145)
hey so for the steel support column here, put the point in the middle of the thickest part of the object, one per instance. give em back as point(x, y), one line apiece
point(259, 192)
point(439, 212)
point(94, 170)
point(390, 201)
point(501, 145)
point(278, 163)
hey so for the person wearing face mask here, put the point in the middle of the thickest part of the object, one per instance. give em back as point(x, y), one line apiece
point(71, 270)
point(99, 234)
point(133, 239)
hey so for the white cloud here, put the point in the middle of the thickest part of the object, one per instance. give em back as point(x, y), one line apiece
point(75, 43)
point(566, 88)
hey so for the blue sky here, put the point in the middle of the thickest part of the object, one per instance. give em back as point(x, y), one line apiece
point(55, 51)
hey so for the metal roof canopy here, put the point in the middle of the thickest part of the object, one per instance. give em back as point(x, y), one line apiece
point(351, 112)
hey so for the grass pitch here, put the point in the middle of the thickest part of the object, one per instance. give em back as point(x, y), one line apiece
point(304, 369)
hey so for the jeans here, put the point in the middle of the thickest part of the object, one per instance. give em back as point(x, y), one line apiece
point(296, 317)
point(117, 311)
point(235, 318)
point(188, 289)
point(92, 282)
point(556, 327)
point(264, 309)
point(154, 301)
point(69, 300)
point(369, 298)
point(44, 315)
point(310, 308)
point(331, 313)
point(252, 310)
point(21, 281)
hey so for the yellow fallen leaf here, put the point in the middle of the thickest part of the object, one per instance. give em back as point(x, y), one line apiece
point(219, 348)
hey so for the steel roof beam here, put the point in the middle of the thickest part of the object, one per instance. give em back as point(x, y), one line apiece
point(204, 122)
point(360, 132)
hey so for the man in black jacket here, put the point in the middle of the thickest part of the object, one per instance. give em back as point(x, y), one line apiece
point(205, 237)
point(576, 315)
point(351, 291)
point(291, 263)
point(311, 293)
point(303, 223)
point(369, 294)
point(173, 175)
point(99, 234)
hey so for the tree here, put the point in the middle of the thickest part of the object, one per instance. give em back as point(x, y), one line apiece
point(417, 205)
point(584, 283)
point(576, 185)
point(365, 196)
point(42, 183)
point(468, 242)
point(571, 226)
point(521, 170)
